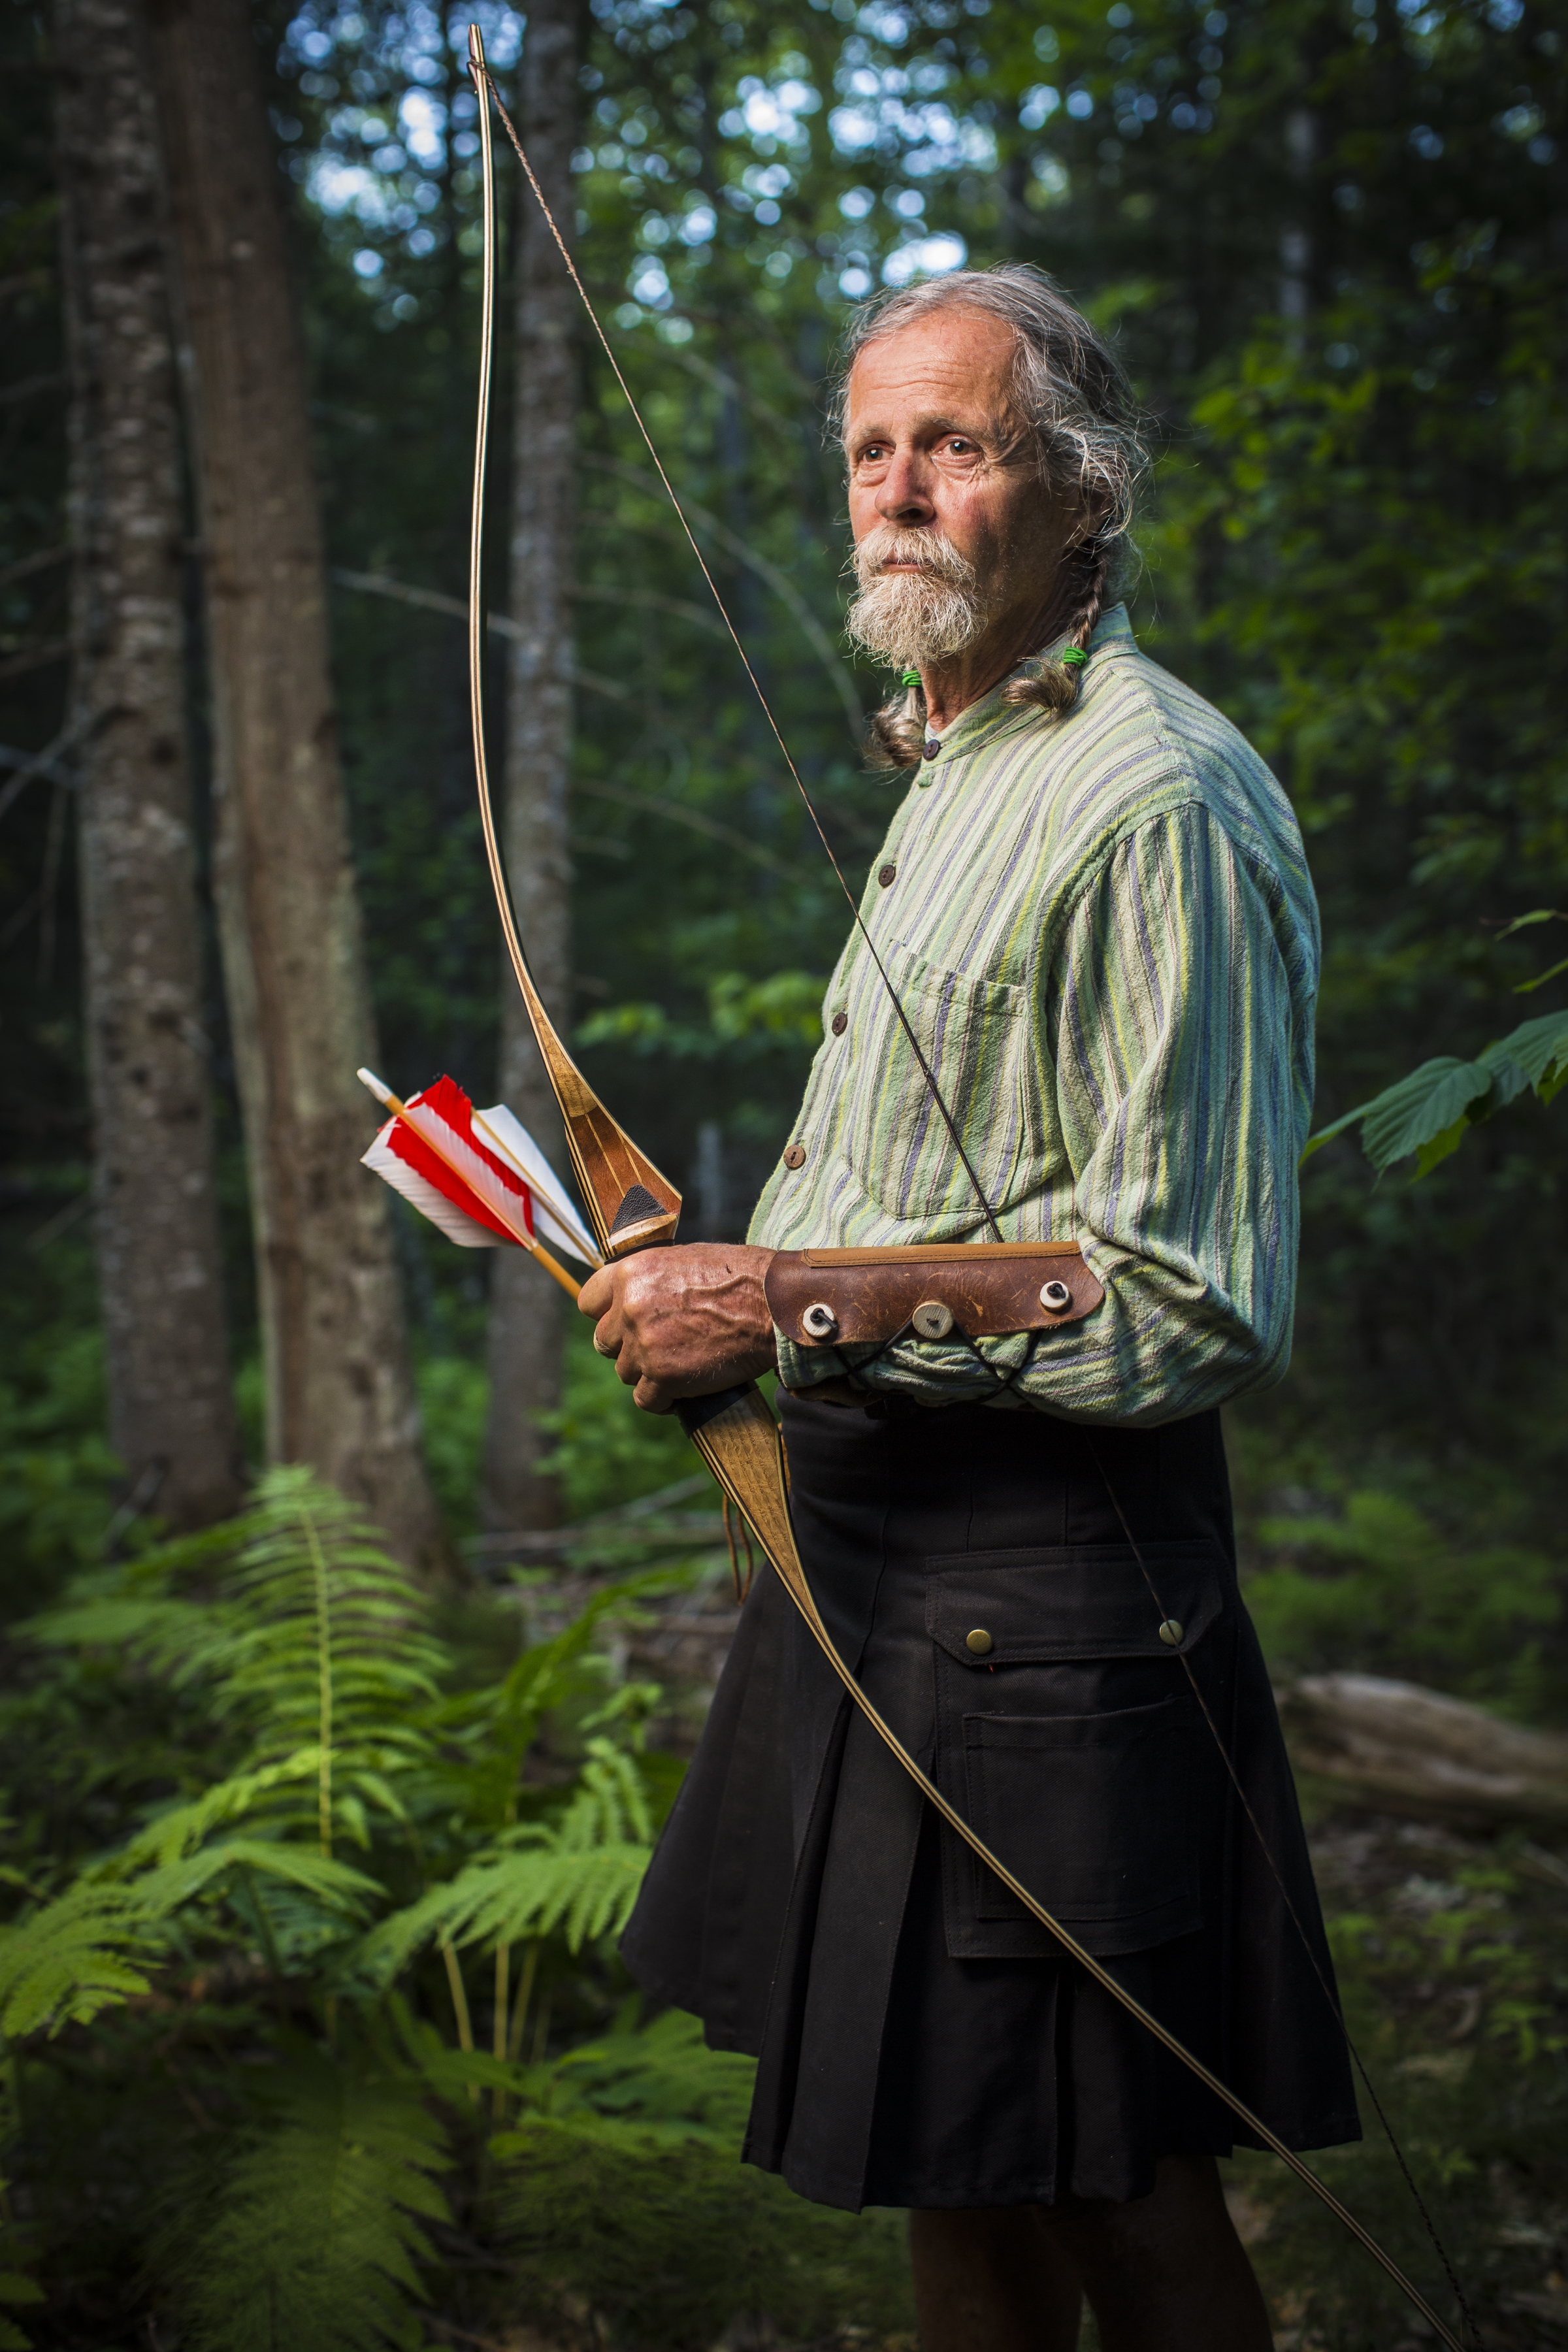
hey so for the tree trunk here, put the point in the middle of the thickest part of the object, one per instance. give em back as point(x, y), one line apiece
point(171, 1400)
point(527, 1311)
point(339, 1390)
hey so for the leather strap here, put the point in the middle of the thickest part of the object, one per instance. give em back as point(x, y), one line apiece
point(819, 1297)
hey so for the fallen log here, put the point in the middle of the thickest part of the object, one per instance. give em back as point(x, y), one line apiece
point(1394, 1747)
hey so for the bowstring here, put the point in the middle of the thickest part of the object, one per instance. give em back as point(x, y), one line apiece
point(481, 70)
point(1296, 1920)
point(477, 68)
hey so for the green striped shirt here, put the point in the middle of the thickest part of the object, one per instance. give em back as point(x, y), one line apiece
point(1103, 934)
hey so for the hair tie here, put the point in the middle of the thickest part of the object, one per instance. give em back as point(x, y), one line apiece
point(1072, 657)
point(910, 677)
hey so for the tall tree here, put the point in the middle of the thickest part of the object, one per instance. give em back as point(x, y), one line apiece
point(339, 1390)
point(527, 1311)
point(171, 1401)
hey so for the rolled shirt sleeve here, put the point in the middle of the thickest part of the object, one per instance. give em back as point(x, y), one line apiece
point(1174, 1036)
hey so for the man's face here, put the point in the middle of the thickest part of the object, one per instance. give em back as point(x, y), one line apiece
point(957, 536)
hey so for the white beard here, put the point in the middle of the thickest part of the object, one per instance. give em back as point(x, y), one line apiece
point(908, 618)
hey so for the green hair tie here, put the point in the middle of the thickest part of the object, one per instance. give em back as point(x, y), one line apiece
point(1073, 657)
point(910, 677)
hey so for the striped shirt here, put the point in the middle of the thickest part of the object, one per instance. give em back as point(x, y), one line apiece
point(1103, 934)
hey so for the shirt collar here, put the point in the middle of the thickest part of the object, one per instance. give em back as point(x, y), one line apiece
point(1113, 633)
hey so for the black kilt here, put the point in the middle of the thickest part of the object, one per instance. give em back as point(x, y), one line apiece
point(922, 2040)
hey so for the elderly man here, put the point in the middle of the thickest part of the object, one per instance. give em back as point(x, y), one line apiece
point(1093, 912)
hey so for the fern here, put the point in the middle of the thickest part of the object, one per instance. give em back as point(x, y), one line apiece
point(73, 1958)
point(582, 1875)
point(313, 2238)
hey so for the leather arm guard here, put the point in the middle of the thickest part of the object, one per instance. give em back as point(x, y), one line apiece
point(978, 1290)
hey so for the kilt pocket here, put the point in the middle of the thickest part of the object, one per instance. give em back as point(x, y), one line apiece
point(1092, 1814)
point(1066, 1735)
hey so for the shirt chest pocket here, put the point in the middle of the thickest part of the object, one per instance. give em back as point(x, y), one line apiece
point(1068, 1737)
point(973, 1034)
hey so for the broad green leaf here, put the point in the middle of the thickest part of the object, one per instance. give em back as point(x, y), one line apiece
point(1422, 1107)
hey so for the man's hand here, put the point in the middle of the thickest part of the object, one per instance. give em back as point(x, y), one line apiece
point(682, 1322)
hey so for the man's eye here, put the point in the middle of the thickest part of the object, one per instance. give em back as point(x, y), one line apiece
point(957, 447)
point(873, 454)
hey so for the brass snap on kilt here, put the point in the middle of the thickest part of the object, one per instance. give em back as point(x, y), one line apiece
point(979, 1643)
point(932, 1319)
point(1171, 1633)
point(795, 1156)
point(820, 1322)
point(1055, 1296)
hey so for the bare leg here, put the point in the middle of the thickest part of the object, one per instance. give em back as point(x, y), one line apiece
point(1165, 2273)
point(992, 2280)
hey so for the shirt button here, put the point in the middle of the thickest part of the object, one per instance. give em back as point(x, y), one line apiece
point(886, 874)
point(795, 1156)
point(840, 1023)
point(979, 1643)
point(931, 747)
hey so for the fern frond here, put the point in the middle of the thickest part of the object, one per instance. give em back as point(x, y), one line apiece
point(610, 1807)
point(504, 1897)
point(171, 1835)
point(331, 1885)
point(63, 1963)
point(314, 2237)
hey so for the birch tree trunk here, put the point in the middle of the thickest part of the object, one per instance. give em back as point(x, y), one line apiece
point(527, 1311)
point(339, 1390)
point(171, 1400)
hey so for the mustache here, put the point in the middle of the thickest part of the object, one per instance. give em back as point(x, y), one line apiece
point(931, 552)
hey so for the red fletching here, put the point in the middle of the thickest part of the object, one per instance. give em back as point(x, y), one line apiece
point(435, 1143)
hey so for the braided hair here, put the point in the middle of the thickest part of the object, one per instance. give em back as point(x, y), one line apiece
point(1069, 387)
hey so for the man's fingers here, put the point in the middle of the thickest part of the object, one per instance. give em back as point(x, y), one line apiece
point(597, 1293)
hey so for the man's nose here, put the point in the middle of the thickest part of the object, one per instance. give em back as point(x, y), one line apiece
point(902, 494)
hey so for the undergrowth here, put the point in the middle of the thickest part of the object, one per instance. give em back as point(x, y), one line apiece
point(313, 2024)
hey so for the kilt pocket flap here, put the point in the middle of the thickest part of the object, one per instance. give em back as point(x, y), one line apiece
point(1089, 1600)
point(1093, 1814)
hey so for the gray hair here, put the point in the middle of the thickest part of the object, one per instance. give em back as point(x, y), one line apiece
point(1071, 390)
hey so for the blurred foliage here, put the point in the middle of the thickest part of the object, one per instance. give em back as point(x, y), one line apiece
point(295, 1993)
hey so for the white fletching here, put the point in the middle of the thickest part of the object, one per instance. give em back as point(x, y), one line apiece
point(466, 1231)
point(555, 1218)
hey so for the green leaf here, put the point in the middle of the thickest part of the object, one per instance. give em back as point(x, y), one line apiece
point(1527, 987)
point(1423, 1109)
point(1541, 1049)
point(1526, 922)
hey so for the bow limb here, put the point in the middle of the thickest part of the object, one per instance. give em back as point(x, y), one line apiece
point(629, 1202)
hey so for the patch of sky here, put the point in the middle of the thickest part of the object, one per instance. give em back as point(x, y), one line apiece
point(856, 282)
point(775, 112)
point(698, 226)
point(907, 203)
point(1079, 105)
point(1505, 14)
point(649, 284)
point(924, 256)
point(1037, 105)
point(1048, 48)
point(856, 203)
point(422, 122)
point(889, 25)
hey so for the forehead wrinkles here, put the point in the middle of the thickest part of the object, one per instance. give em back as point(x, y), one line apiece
point(930, 392)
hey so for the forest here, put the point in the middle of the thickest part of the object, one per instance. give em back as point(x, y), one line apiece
point(355, 1629)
